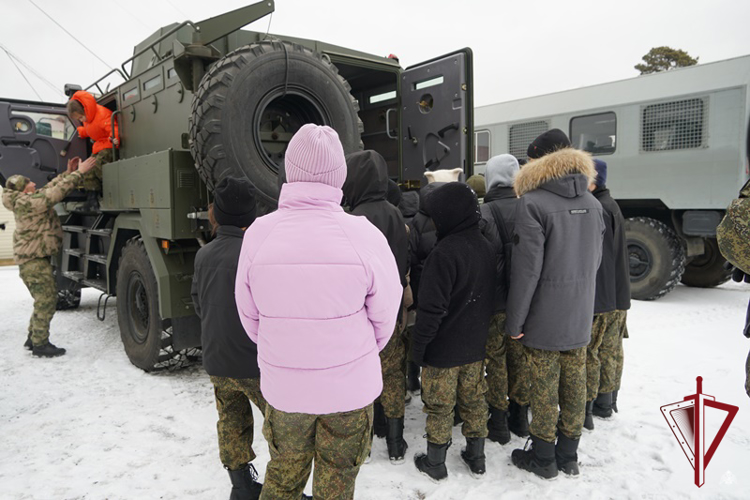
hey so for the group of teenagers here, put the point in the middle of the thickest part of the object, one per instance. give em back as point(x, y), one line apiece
point(317, 311)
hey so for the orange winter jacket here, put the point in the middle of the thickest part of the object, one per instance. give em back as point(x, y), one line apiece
point(98, 124)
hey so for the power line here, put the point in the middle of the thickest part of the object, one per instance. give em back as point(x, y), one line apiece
point(24, 76)
point(70, 34)
point(26, 65)
point(178, 10)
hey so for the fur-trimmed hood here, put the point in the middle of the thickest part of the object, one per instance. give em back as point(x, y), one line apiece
point(554, 166)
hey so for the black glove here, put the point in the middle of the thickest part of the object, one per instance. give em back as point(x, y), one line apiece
point(738, 275)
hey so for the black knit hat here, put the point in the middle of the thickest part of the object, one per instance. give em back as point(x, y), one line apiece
point(453, 207)
point(234, 202)
point(547, 143)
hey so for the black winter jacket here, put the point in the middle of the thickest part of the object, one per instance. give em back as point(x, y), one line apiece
point(365, 192)
point(456, 297)
point(614, 273)
point(502, 201)
point(227, 350)
point(422, 239)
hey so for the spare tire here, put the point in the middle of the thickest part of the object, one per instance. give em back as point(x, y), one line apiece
point(252, 101)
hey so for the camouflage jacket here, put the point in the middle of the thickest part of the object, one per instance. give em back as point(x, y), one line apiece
point(38, 231)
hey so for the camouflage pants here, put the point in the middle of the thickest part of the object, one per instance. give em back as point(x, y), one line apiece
point(339, 443)
point(235, 425)
point(507, 372)
point(557, 378)
point(747, 375)
point(393, 367)
point(443, 389)
point(602, 322)
point(92, 180)
point(38, 278)
point(611, 353)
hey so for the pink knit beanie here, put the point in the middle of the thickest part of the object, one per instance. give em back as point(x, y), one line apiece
point(315, 154)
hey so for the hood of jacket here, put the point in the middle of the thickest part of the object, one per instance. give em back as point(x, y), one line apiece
point(454, 207)
point(425, 193)
point(566, 172)
point(409, 205)
point(366, 178)
point(88, 102)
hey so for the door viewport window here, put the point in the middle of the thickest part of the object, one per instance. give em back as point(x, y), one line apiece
point(596, 134)
point(46, 124)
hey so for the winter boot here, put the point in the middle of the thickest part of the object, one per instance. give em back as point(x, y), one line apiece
point(539, 459)
point(566, 456)
point(588, 423)
point(518, 420)
point(497, 426)
point(433, 463)
point(379, 426)
point(614, 401)
point(456, 416)
point(245, 485)
point(28, 344)
point(394, 440)
point(603, 405)
point(473, 456)
point(412, 378)
point(47, 350)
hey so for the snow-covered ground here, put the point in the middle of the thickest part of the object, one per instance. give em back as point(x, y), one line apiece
point(90, 425)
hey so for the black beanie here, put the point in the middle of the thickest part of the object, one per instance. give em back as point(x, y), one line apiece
point(453, 207)
point(547, 143)
point(234, 202)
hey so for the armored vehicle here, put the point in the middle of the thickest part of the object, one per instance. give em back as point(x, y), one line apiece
point(673, 145)
point(200, 101)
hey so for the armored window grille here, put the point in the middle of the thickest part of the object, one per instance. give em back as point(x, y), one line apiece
point(482, 146)
point(522, 134)
point(673, 125)
point(596, 134)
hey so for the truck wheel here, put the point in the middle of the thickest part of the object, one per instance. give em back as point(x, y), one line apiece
point(707, 270)
point(251, 103)
point(147, 342)
point(657, 259)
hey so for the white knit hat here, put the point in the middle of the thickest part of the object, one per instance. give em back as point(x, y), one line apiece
point(315, 154)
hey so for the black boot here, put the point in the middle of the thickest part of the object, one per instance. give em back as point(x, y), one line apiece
point(395, 440)
point(473, 456)
point(433, 463)
point(379, 426)
point(47, 350)
point(566, 456)
point(245, 485)
point(614, 401)
point(28, 344)
point(539, 459)
point(412, 378)
point(518, 419)
point(588, 423)
point(456, 416)
point(603, 405)
point(497, 426)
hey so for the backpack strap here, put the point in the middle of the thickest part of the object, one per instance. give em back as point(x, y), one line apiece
point(500, 223)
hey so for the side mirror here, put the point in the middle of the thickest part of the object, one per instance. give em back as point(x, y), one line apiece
point(71, 88)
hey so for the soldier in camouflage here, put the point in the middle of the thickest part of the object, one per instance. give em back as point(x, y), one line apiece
point(37, 238)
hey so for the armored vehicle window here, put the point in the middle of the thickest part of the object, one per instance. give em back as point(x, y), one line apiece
point(673, 125)
point(48, 124)
point(522, 134)
point(482, 146)
point(596, 134)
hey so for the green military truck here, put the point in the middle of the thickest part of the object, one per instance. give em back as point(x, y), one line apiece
point(200, 101)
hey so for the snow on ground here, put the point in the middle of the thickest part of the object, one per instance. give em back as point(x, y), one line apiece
point(90, 425)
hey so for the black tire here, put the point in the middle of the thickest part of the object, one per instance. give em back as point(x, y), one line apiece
point(657, 258)
point(707, 270)
point(147, 342)
point(253, 100)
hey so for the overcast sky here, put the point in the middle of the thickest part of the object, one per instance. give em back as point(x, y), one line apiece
point(521, 48)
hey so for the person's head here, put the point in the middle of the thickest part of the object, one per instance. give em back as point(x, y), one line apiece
point(476, 182)
point(443, 175)
point(601, 173)
point(75, 110)
point(453, 207)
point(394, 193)
point(549, 142)
point(315, 154)
point(500, 171)
point(366, 178)
point(234, 203)
point(20, 183)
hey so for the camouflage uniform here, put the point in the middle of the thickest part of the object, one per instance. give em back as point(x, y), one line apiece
point(393, 367)
point(235, 425)
point(442, 389)
point(38, 236)
point(557, 378)
point(92, 180)
point(339, 442)
point(507, 372)
point(611, 353)
point(602, 324)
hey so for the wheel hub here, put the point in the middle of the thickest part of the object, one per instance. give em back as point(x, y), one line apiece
point(640, 260)
point(138, 308)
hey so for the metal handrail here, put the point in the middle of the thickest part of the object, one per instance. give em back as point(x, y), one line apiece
point(96, 83)
point(156, 42)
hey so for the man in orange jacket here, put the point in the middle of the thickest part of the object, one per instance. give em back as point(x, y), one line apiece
point(96, 123)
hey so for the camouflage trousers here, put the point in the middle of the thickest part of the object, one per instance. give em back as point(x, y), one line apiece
point(339, 443)
point(611, 352)
point(506, 368)
point(235, 425)
point(445, 388)
point(557, 379)
point(747, 375)
point(602, 322)
point(393, 367)
point(92, 180)
point(38, 278)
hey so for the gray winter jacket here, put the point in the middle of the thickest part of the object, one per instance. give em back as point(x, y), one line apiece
point(557, 250)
